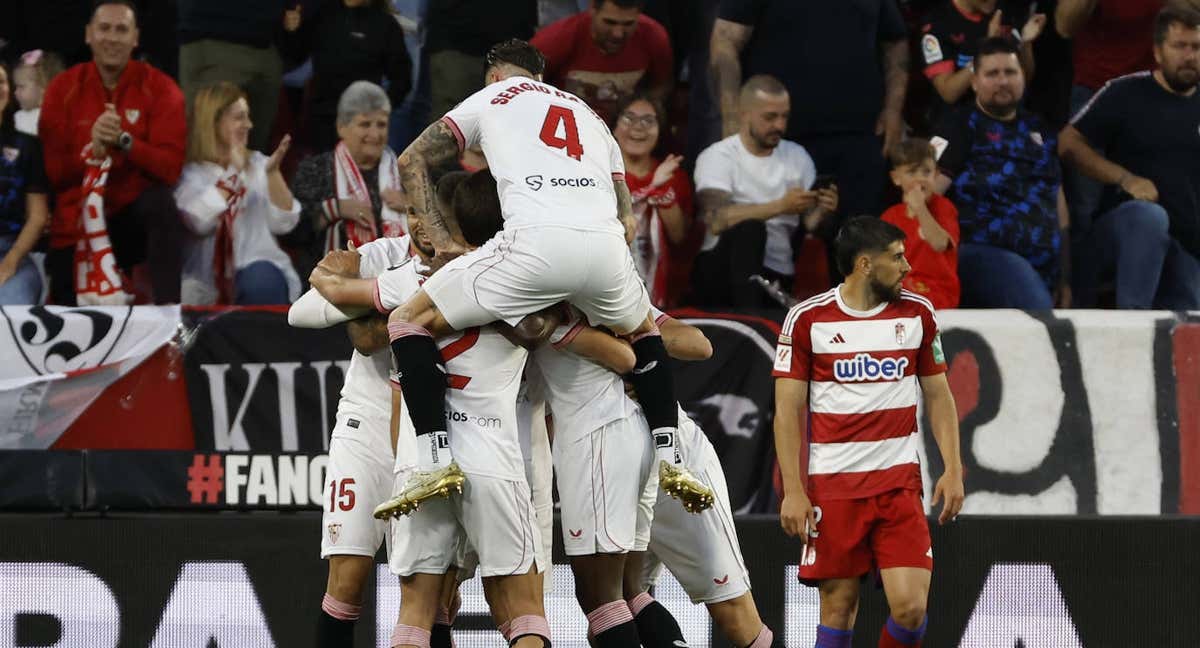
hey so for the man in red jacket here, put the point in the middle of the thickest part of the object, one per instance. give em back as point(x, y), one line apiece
point(134, 114)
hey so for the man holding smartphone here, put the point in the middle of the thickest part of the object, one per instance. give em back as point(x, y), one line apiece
point(755, 190)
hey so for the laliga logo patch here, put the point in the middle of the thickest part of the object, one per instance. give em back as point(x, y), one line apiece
point(864, 367)
point(931, 48)
point(335, 530)
point(900, 333)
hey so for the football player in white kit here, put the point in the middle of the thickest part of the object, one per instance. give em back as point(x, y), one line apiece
point(561, 183)
point(359, 476)
point(702, 551)
point(495, 513)
point(603, 457)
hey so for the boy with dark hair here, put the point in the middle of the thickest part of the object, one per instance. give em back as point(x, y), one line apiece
point(928, 220)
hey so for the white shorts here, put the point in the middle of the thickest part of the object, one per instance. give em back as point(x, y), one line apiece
point(539, 472)
point(493, 516)
point(522, 271)
point(702, 551)
point(602, 479)
point(358, 479)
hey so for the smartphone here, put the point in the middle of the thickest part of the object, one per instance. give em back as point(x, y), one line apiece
point(824, 181)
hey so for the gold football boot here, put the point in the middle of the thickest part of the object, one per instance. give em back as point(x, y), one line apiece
point(422, 486)
point(681, 484)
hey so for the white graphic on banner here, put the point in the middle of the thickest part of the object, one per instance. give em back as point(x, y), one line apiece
point(56, 361)
point(1021, 605)
point(1123, 402)
point(82, 603)
point(213, 604)
point(567, 623)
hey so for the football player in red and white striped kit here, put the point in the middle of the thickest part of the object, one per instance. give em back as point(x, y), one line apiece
point(847, 368)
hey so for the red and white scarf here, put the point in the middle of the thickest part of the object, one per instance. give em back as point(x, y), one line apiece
point(224, 266)
point(98, 281)
point(349, 184)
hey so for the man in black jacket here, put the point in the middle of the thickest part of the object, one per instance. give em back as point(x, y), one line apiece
point(234, 41)
point(348, 40)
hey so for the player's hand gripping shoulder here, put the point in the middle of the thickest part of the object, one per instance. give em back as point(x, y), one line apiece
point(336, 278)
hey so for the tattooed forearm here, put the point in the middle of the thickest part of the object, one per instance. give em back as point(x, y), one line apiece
point(436, 147)
point(625, 208)
point(368, 335)
point(895, 70)
point(728, 39)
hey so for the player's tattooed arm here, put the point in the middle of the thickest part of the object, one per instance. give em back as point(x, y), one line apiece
point(625, 209)
point(725, 67)
point(436, 147)
point(369, 334)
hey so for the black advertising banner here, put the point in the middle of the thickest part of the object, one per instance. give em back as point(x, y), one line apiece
point(41, 479)
point(257, 384)
point(150, 480)
point(254, 579)
point(1072, 412)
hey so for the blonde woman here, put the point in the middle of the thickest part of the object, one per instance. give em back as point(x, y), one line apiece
point(234, 201)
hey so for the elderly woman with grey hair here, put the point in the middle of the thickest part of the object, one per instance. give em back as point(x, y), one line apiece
point(352, 193)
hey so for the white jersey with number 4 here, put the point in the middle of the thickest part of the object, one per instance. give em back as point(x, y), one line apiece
point(553, 158)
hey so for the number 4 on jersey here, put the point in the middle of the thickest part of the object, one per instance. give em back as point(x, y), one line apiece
point(570, 140)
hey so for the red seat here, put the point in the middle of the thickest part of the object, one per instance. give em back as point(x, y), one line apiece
point(812, 269)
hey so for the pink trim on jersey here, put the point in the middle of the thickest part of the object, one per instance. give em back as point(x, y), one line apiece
point(462, 141)
point(406, 635)
point(652, 332)
point(378, 300)
point(658, 321)
point(339, 610)
point(397, 330)
point(618, 176)
point(862, 371)
point(608, 616)
point(531, 624)
point(505, 630)
point(640, 602)
point(570, 334)
point(443, 617)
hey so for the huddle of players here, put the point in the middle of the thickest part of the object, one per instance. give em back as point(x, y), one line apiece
point(618, 528)
point(526, 248)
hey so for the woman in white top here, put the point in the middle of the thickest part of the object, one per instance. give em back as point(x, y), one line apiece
point(234, 201)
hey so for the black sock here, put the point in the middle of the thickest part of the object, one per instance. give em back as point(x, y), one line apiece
point(440, 637)
point(619, 636)
point(654, 383)
point(422, 378)
point(657, 628)
point(545, 641)
point(334, 633)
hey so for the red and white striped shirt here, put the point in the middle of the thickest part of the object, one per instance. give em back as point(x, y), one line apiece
point(862, 369)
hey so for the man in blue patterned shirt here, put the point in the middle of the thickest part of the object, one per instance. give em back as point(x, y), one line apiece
point(998, 165)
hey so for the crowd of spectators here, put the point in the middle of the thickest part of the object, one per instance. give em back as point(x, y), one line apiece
point(1041, 155)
